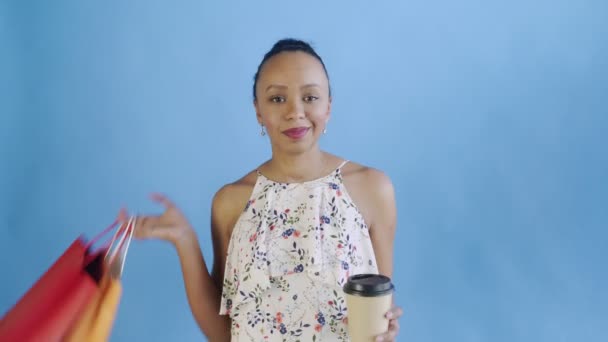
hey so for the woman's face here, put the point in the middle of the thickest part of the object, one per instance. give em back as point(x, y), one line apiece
point(293, 101)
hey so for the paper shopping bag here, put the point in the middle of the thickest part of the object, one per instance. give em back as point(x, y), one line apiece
point(48, 309)
point(96, 321)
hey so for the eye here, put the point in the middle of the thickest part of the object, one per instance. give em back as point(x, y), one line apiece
point(310, 98)
point(277, 99)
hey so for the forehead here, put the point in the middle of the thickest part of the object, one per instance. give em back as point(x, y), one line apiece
point(296, 66)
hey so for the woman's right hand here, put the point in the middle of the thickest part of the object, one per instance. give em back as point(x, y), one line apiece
point(171, 225)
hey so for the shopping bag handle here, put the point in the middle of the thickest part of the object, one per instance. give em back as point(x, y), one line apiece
point(126, 235)
point(121, 231)
point(102, 233)
point(106, 246)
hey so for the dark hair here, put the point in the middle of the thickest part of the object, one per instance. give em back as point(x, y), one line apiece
point(287, 45)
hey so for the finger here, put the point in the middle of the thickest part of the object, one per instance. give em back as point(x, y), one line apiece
point(388, 336)
point(394, 313)
point(144, 226)
point(122, 215)
point(391, 333)
point(162, 199)
point(394, 325)
point(152, 227)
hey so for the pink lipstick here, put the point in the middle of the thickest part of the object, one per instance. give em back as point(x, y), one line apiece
point(296, 133)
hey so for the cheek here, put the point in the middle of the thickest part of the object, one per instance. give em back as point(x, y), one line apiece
point(318, 117)
point(268, 116)
point(271, 123)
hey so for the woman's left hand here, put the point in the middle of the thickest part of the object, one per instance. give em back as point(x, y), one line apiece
point(393, 326)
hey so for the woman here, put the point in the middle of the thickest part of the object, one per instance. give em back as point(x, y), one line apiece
point(288, 234)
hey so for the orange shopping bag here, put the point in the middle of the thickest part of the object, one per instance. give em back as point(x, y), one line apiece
point(96, 321)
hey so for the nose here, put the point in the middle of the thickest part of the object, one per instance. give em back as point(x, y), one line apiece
point(295, 110)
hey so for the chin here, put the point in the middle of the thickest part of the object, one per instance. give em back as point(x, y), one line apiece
point(298, 147)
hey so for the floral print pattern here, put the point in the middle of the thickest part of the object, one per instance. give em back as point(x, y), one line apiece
point(291, 251)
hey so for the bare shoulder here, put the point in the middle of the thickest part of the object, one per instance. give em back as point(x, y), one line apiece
point(369, 179)
point(229, 201)
point(229, 194)
point(372, 192)
point(371, 189)
point(226, 207)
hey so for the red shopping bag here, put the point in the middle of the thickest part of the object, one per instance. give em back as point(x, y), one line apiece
point(47, 310)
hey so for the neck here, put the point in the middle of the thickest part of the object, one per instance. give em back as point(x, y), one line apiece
point(299, 167)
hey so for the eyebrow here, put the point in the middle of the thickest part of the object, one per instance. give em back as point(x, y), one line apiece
point(309, 85)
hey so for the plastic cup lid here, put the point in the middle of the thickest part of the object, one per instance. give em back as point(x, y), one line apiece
point(368, 285)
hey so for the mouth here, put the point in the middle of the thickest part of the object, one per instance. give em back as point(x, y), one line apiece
point(296, 133)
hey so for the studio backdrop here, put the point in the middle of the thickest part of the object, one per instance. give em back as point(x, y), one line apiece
point(490, 117)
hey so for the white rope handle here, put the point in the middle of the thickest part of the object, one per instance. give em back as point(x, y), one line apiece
point(127, 244)
point(109, 254)
point(123, 243)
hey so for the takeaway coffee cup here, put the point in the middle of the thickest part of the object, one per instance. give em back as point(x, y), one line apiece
point(368, 299)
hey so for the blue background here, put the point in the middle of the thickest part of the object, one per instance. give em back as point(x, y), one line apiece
point(489, 116)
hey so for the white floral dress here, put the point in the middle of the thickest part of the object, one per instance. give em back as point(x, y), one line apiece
point(291, 251)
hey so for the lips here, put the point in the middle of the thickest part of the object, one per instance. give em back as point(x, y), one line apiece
point(296, 133)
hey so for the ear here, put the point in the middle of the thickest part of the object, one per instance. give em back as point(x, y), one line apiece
point(328, 109)
point(257, 111)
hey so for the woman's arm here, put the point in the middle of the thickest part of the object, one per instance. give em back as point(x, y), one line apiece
point(202, 292)
point(203, 289)
point(383, 224)
point(373, 192)
point(382, 218)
